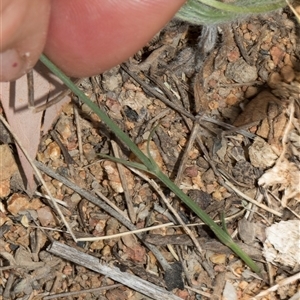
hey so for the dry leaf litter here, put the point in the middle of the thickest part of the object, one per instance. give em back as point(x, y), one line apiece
point(250, 79)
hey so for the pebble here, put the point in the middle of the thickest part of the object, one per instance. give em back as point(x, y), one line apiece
point(287, 73)
point(75, 198)
point(63, 127)
point(277, 54)
point(53, 151)
point(251, 92)
point(17, 202)
point(231, 99)
point(45, 216)
point(241, 72)
point(274, 79)
point(191, 171)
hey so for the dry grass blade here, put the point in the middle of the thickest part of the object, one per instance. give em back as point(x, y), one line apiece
point(113, 236)
point(193, 136)
point(68, 294)
point(277, 286)
point(252, 200)
point(123, 220)
point(128, 197)
point(178, 218)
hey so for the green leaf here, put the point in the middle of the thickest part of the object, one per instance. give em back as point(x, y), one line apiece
point(208, 12)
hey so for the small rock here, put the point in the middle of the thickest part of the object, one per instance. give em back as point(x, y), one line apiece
point(217, 195)
point(112, 80)
point(287, 73)
point(233, 55)
point(4, 219)
point(154, 152)
point(45, 216)
point(114, 108)
point(208, 176)
point(241, 72)
point(213, 104)
point(261, 154)
point(75, 198)
point(89, 152)
point(264, 129)
point(98, 245)
point(231, 99)
point(274, 79)
point(63, 127)
point(229, 292)
point(218, 258)
point(277, 54)
point(202, 163)
point(53, 151)
point(16, 203)
point(281, 247)
point(251, 92)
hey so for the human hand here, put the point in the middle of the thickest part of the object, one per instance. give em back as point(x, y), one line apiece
point(83, 38)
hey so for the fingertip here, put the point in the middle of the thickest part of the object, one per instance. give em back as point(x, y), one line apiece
point(12, 65)
point(88, 37)
point(24, 27)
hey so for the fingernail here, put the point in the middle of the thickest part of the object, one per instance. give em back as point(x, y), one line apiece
point(12, 65)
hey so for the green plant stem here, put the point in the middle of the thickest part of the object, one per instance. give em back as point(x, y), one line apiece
point(152, 167)
point(102, 115)
point(246, 7)
point(221, 234)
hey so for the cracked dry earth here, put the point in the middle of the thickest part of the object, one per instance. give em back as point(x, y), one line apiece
point(228, 135)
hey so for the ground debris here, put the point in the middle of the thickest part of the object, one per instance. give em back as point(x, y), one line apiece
point(243, 94)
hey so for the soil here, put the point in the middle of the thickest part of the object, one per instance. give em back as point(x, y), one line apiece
point(225, 101)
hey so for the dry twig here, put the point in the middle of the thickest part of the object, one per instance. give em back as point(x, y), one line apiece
point(40, 177)
point(114, 273)
point(163, 262)
point(277, 286)
point(127, 195)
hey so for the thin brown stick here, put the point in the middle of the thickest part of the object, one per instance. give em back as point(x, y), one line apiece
point(163, 262)
point(68, 158)
point(111, 204)
point(237, 191)
point(163, 113)
point(287, 129)
point(68, 294)
point(117, 235)
point(39, 176)
point(171, 224)
point(78, 129)
point(30, 87)
point(239, 42)
point(197, 291)
point(8, 286)
point(179, 107)
point(60, 202)
point(178, 218)
point(277, 286)
point(56, 99)
point(114, 273)
point(191, 141)
point(128, 198)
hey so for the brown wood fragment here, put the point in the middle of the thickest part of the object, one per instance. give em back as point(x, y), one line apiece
point(93, 263)
point(215, 246)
